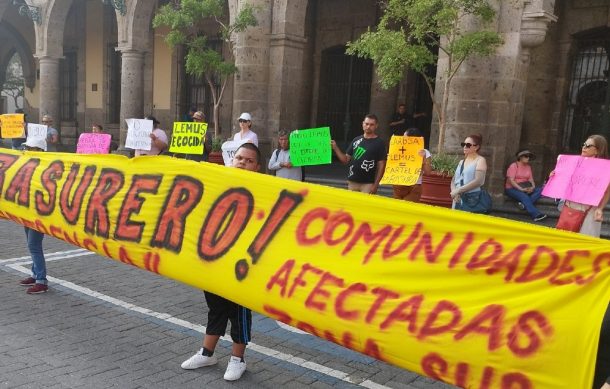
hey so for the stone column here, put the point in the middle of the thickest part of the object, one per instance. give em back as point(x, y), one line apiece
point(49, 88)
point(132, 88)
point(285, 83)
point(250, 89)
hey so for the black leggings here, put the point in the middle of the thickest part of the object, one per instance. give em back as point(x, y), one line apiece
point(602, 364)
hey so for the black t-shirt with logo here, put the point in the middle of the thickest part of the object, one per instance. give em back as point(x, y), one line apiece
point(365, 153)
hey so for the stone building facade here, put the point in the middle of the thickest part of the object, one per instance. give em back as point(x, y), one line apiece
point(100, 61)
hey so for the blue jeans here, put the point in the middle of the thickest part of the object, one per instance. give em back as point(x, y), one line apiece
point(528, 199)
point(39, 266)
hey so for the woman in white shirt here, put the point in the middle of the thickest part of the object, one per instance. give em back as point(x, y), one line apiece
point(245, 134)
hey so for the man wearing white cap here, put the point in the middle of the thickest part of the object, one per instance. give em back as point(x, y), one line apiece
point(245, 134)
point(37, 282)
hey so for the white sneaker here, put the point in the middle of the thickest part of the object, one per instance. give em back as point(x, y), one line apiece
point(235, 369)
point(198, 360)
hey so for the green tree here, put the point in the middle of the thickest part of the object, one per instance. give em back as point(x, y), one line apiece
point(13, 86)
point(408, 32)
point(185, 19)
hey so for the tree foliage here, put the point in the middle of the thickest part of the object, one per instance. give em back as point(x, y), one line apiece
point(410, 31)
point(185, 19)
point(13, 86)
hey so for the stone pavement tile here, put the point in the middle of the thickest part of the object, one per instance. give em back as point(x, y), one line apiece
point(428, 383)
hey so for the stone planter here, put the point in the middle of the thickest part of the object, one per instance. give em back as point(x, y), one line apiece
point(436, 190)
point(216, 157)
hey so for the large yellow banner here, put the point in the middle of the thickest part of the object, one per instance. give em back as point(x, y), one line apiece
point(473, 300)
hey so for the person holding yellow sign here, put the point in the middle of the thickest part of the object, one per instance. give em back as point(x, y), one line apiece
point(413, 192)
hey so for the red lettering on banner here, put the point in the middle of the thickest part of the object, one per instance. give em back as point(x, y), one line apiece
point(283, 208)
point(495, 315)
point(324, 294)
point(523, 327)
point(183, 197)
point(528, 274)
point(430, 326)
point(382, 295)
point(406, 311)
point(127, 229)
point(49, 182)
point(457, 255)
point(509, 261)
point(281, 277)
point(21, 182)
point(70, 208)
point(232, 210)
point(425, 243)
point(89, 244)
point(388, 252)
point(566, 267)
point(97, 220)
point(301, 232)
point(124, 256)
point(370, 346)
point(300, 279)
point(6, 161)
point(333, 224)
point(367, 235)
point(343, 295)
point(151, 262)
point(435, 366)
point(480, 260)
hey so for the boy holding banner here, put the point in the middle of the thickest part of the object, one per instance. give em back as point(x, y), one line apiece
point(221, 310)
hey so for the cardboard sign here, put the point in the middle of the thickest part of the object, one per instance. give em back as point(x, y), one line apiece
point(93, 143)
point(310, 147)
point(138, 134)
point(472, 300)
point(579, 179)
point(12, 125)
point(228, 151)
point(188, 138)
point(37, 131)
point(404, 163)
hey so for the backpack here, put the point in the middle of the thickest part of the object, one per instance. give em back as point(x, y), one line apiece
point(275, 155)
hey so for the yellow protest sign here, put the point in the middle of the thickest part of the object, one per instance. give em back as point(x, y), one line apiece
point(188, 137)
point(404, 164)
point(12, 125)
point(473, 300)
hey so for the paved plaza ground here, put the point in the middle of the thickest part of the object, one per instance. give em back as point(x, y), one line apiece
point(105, 324)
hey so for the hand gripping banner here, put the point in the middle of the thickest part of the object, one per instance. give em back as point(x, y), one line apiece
point(476, 301)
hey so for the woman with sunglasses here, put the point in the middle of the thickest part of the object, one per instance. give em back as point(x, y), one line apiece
point(469, 175)
point(245, 133)
point(520, 184)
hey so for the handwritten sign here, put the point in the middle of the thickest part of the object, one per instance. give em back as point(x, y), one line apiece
point(390, 279)
point(310, 146)
point(228, 151)
point(188, 138)
point(138, 134)
point(12, 125)
point(37, 131)
point(93, 143)
point(404, 164)
point(579, 179)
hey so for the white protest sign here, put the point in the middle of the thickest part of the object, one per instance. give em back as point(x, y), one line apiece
point(37, 131)
point(228, 151)
point(138, 134)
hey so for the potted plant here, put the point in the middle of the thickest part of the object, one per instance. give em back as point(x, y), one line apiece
point(215, 155)
point(436, 186)
point(409, 35)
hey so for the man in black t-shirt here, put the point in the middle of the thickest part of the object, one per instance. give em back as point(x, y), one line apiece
point(365, 156)
point(401, 120)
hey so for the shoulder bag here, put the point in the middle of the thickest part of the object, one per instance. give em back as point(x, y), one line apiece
point(571, 219)
point(474, 202)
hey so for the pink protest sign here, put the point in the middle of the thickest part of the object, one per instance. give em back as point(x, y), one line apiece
point(579, 179)
point(90, 143)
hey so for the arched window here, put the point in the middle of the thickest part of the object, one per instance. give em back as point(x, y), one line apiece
point(588, 108)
